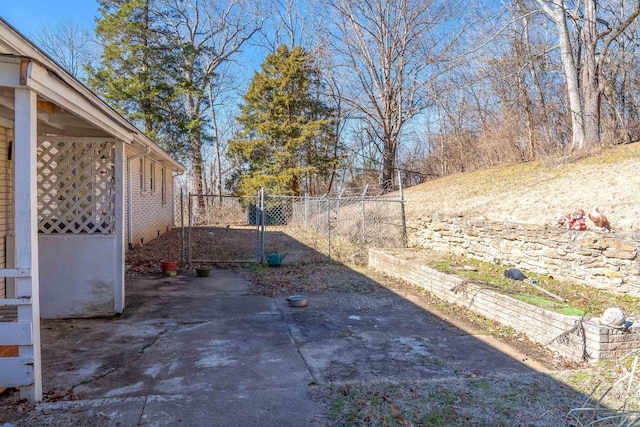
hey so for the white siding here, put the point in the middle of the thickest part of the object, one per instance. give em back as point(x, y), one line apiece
point(77, 279)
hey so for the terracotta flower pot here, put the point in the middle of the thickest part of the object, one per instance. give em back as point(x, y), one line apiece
point(168, 266)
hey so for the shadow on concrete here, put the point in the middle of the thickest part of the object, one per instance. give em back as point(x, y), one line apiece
point(195, 351)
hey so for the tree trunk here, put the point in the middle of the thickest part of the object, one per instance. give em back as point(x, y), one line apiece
point(528, 102)
point(591, 93)
point(145, 104)
point(531, 143)
point(557, 13)
point(543, 104)
point(388, 164)
point(387, 175)
point(196, 150)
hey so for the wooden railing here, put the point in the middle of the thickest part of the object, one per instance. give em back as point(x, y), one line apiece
point(15, 371)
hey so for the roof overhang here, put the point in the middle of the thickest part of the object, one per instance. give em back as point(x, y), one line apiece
point(65, 106)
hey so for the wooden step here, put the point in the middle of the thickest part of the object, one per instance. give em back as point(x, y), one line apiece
point(8, 351)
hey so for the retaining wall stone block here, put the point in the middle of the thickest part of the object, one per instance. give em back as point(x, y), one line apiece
point(556, 331)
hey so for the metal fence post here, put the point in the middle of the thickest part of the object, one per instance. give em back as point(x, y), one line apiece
point(262, 224)
point(404, 219)
point(182, 226)
point(256, 202)
point(306, 211)
point(328, 227)
point(364, 217)
point(189, 213)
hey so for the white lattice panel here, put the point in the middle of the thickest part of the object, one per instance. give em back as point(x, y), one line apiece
point(76, 187)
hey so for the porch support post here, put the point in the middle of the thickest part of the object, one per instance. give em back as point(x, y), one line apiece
point(26, 212)
point(119, 258)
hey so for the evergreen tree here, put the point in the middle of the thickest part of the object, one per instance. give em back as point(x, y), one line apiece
point(286, 142)
point(159, 62)
point(129, 76)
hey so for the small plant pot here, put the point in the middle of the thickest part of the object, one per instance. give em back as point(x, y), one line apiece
point(202, 272)
point(167, 266)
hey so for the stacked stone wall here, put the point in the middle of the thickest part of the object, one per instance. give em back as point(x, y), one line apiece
point(606, 261)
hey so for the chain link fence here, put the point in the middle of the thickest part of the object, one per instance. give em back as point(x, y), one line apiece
point(361, 221)
point(218, 229)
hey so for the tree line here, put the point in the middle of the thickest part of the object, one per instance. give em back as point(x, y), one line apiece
point(305, 97)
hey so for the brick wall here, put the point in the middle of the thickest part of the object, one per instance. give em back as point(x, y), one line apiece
point(607, 261)
point(568, 335)
point(6, 200)
point(150, 215)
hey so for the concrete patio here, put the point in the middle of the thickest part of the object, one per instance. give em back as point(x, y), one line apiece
point(193, 351)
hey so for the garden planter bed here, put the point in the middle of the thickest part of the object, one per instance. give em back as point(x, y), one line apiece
point(571, 336)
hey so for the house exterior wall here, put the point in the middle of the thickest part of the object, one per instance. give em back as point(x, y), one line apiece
point(84, 288)
point(6, 207)
point(151, 213)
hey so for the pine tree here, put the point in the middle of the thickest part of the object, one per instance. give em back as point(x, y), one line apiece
point(127, 75)
point(134, 74)
point(159, 62)
point(286, 140)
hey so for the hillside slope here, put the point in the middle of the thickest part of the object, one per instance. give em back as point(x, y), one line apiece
point(535, 194)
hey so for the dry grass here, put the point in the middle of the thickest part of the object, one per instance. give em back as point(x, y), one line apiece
point(527, 400)
point(534, 193)
point(530, 400)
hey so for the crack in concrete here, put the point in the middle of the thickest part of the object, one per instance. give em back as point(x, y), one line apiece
point(175, 327)
point(139, 354)
point(297, 347)
point(144, 405)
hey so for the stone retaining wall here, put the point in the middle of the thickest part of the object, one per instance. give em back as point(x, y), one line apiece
point(568, 335)
point(607, 261)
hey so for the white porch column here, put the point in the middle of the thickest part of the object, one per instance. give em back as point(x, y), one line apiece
point(26, 210)
point(119, 249)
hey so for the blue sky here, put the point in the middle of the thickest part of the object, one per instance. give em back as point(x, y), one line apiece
point(27, 15)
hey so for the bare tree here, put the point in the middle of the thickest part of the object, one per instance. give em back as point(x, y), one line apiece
point(594, 34)
point(69, 44)
point(622, 122)
point(202, 36)
point(388, 46)
point(288, 24)
point(221, 96)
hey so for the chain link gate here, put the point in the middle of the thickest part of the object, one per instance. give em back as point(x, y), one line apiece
point(363, 221)
point(235, 230)
point(219, 229)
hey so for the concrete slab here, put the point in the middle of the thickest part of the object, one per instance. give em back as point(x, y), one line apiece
point(196, 351)
point(97, 412)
